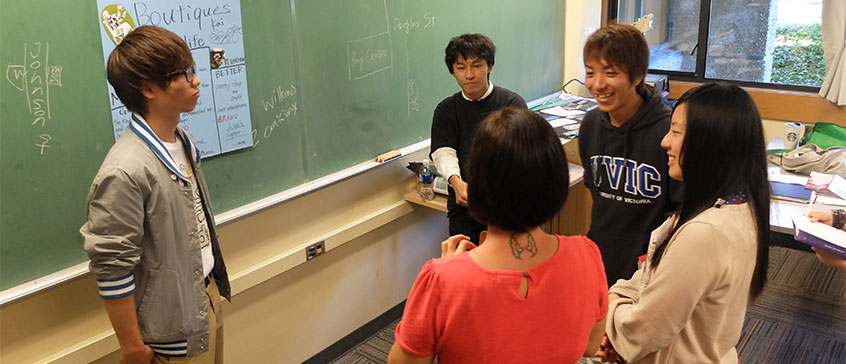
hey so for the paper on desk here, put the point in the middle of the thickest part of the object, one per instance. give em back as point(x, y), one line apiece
point(561, 122)
point(832, 200)
point(562, 112)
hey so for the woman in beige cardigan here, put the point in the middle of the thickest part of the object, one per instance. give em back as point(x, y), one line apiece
point(707, 261)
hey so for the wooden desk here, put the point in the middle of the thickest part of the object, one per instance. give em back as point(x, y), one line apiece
point(573, 219)
point(440, 201)
point(411, 195)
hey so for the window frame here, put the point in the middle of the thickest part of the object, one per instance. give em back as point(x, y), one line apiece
point(698, 75)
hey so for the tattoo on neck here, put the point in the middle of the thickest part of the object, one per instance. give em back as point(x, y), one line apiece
point(531, 246)
point(517, 249)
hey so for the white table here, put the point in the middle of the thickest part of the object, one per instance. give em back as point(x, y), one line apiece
point(781, 212)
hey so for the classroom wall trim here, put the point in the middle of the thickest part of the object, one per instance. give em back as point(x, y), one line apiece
point(105, 343)
point(289, 259)
point(805, 107)
point(81, 269)
point(308, 187)
point(247, 272)
point(86, 351)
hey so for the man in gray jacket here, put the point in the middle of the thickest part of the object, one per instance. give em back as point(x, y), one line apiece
point(150, 231)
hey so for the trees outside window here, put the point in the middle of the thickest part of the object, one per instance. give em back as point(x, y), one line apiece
point(766, 43)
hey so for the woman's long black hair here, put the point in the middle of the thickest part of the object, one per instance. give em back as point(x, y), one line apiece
point(724, 153)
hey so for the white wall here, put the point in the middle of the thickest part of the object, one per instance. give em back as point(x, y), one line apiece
point(582, 19)
point(773, 129)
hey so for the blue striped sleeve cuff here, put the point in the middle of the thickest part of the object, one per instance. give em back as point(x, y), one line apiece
point(112, 288)
point(173, 348)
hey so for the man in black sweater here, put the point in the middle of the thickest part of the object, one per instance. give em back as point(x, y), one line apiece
point(470, 59)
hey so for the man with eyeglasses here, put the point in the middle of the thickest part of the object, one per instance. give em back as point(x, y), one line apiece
point(150, 233)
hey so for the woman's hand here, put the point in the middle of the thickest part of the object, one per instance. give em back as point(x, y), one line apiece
point(456, 244)
point(606, 352)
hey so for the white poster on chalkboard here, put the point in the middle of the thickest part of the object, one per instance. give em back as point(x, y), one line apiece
point(212, 29)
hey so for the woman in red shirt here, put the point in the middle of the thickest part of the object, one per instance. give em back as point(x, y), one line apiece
point(522, 296)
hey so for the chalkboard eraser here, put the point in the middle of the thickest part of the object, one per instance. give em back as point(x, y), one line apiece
point(384, 157)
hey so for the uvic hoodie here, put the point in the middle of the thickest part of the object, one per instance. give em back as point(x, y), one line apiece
point(627, 174)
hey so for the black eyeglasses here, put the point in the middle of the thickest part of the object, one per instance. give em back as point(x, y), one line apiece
point(188, 72)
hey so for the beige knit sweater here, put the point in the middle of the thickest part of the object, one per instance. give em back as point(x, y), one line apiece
point(690, 308)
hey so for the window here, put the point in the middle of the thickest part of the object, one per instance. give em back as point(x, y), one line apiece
point(763, 43)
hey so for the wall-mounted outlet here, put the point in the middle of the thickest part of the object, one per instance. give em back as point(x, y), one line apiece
point(315, 249)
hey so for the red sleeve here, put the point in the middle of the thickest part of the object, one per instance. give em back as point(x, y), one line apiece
point(417, 333)
point(601, 283)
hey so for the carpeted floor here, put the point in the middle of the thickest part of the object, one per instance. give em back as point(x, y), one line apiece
point(799, 318)
point(801, 315)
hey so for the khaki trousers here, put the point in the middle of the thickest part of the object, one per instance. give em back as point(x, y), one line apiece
point(215, 353)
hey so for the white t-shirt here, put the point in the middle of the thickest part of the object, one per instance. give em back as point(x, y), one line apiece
point(178, 153)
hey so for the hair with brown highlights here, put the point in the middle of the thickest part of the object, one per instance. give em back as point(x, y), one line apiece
point(621, 45)
point(147, 53)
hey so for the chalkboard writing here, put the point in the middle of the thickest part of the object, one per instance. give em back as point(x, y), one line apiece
point(212, 29)
point(334, 85)
point(33, 78)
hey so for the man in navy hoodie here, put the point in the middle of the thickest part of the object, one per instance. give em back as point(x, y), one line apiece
point(619, 142)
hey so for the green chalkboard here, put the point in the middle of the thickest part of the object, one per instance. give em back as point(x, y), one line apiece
point(331, 84)
point(372, 71)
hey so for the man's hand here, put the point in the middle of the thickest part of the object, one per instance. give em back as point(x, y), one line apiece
point(136, 355)
point(825, 217)
point(830, 259)
point(124, 320)
point(460, 188)
point(456, 244)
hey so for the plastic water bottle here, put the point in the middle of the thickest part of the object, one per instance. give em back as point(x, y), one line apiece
point(426, 181)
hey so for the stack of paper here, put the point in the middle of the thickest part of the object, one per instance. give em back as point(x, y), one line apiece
point(561, 112)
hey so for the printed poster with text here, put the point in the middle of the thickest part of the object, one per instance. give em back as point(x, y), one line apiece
point(212, 29)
